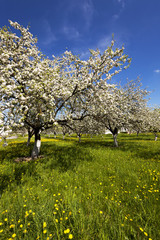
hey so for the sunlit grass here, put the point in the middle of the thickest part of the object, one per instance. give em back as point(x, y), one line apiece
point(87, 190)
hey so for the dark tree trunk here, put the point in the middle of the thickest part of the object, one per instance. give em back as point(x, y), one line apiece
point(115, 134)
point(30, 134)
point(37, 144)
point(156, 136)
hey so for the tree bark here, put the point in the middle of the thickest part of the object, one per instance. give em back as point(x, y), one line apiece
point(30, 134)
point(115, 134)
point(155, 136)
point(37, 144)
point(79, 136)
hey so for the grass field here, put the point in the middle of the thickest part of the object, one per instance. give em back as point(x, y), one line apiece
point(82, 191)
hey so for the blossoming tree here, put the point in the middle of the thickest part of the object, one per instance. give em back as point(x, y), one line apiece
point(36, 90)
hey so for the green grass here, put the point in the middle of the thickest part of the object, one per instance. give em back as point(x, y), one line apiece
point(85, 191)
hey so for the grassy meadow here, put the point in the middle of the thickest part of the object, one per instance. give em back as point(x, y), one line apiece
point(81, 191)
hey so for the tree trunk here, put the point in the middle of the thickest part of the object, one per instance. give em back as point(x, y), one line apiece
point(115, 134)
point(155, 136)
point(30, 134)
point(79, 136)
point(37, 144)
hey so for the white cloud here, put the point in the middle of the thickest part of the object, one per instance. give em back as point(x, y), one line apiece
point(88, 11)
point(49, 35)
point(71, 32)
point(157, 71)
point(104, 42)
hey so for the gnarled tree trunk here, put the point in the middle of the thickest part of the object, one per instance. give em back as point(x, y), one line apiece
point(37, 144)
point(115, 134)
point(30, 134)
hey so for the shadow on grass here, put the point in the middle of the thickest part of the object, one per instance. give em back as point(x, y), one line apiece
point(59, 157)
point(64, 157)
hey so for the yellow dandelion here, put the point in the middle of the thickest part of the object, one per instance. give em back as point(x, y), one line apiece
point(6, 219)
point(146, 234)
point(44, 224)
point(70, 236)
point(1, 223)
point(70, 213)
point(67, 231)
point(1, 230)
point(21, 226)
point(12, 225)
point(100, 212)
point(25, 231)
point(56, 220)
point(14, 235)
point(45, 231)
point(141, 229)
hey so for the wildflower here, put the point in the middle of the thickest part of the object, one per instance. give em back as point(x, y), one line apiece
point(12, 225)
point(141, 229)
point(45, 231)
point(67, 231)
point(146, 234)
point(1, 230)
point(70, 213)
point(56, 220)
point(100, 212)
point(21, 225)
point(44, 224)
point(70, 236)
point(6, 219)
point(14, 235)
point(1, 223)
point(25, 231)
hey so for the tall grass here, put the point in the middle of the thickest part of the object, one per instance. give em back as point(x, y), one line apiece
point(83, 191)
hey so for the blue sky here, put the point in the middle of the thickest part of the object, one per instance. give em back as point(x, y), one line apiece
point(80, 25)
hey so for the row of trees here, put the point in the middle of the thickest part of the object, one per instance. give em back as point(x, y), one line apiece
point(39, 93)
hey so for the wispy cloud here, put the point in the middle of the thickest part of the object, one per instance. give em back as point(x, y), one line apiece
point(49, 35)
point(122, 4)
point(71, 32)
point(157, 71)
point(88, 11)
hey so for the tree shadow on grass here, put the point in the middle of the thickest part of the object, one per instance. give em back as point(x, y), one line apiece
point(143, 151)
point(62, 158)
